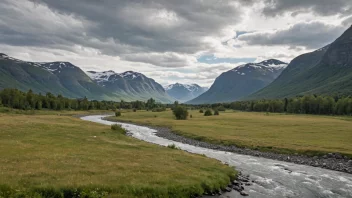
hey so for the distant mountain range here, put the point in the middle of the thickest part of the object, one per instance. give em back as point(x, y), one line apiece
point(184, 92)
point(325, 71)
point(70, 81)
point(131, 84)
point(241, 82)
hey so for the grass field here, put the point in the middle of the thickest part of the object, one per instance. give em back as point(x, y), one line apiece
point(62, 156)
point(307, 134)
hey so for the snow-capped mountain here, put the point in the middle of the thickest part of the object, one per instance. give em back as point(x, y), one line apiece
point(184, 92)
point(57, 67)
point(132, 84)
point(241, 81)
point(55, 77)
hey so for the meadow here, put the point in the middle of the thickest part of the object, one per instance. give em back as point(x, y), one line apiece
point(282, 133)
point(53, 154)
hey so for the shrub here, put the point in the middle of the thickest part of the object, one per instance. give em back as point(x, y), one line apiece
point(180, 113)
point(118, 128)
point(216, 112)
point(172, 146)
point(118, 113)
point(208, 113)
point(191, 116)
point(134, 110)
point(201, 111)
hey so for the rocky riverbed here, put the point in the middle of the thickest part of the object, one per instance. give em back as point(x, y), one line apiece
point(332, 161)
point(267, 178)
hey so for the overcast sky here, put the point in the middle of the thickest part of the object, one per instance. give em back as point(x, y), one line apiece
point(186, 41)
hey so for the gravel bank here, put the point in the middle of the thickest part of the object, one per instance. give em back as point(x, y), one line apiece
point(332, 161)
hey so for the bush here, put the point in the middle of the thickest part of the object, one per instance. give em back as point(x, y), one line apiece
point(118, 128)
point(216, 112)
point(180, 113)
point(118, 113)
point(201, 111)
point(191, 116)
point(208, 113)
point(134, 110)
point(172, 146)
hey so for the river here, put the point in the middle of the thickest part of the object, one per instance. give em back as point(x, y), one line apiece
point(271, 178)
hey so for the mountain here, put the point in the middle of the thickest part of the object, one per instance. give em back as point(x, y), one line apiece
point(241, 82)
point(56, 77)
point(131, 84)
point(325, 71)
point(184, 92)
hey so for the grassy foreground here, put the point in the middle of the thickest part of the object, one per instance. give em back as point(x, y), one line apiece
point(306, 134)
point(62, 156)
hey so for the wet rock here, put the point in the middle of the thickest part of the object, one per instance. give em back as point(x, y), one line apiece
point(244, 193)
point(237, 188)
point(349, 163)
point(236, 183)
point(228, 189)
point(338, 156)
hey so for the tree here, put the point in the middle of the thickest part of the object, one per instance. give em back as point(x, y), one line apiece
point(150, 104)
point(208, 112)
point(180, 113)
point(216, 112)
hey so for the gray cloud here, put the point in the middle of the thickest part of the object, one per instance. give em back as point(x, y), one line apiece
point(158, 26)
point(310, 35)
point(320, 7)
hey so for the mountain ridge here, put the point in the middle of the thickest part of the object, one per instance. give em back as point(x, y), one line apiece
point(184, 92)
point(241, 81)
point(325, 71)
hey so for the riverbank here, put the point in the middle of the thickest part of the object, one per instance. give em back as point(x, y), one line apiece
point(331, 161)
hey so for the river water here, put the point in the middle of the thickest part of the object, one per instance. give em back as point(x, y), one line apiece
point(271, 178)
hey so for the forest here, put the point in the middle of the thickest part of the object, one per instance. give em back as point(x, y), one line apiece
point(16, 99)
point(308, 104)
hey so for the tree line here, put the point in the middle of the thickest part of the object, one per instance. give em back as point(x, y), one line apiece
point(14, 98)
point(308, 104)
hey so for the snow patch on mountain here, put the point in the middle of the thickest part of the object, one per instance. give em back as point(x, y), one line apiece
point(189, 87)
point(112, 76)
point(268, 65)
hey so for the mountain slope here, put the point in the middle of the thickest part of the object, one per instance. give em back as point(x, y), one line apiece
point(241, 81)
point(131, 84)
point(184, 92)
point(57, 78)
point(324, 71)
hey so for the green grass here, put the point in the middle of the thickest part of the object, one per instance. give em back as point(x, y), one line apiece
point(63, 156)
point(305, 134)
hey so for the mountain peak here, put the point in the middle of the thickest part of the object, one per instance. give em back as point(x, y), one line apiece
point(3, 55)
point(130, 75)
point(184, 92)
point(272, 62)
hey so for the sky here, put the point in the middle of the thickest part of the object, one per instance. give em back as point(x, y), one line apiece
point(170, 41)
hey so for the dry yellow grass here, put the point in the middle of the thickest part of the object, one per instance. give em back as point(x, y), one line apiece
point(277, 132)
point(63, 152)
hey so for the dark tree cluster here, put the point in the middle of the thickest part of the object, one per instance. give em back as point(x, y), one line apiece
point(310, 104)
point(16, 99)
